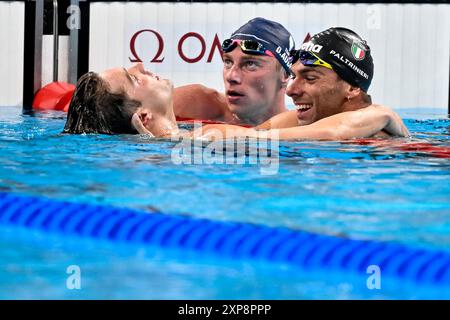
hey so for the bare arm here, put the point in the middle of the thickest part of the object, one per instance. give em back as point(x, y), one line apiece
point(282, 120)
point(362, 123)
point(395, 126)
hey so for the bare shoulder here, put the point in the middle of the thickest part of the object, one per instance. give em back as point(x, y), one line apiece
point(198, 92)
point(196, 88)
point(196, 101)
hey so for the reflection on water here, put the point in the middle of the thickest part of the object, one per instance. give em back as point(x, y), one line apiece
point(388, 186)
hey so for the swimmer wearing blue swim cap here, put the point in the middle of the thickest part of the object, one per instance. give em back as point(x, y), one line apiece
point(256, 68)
point(260, 36)
point(255, 85)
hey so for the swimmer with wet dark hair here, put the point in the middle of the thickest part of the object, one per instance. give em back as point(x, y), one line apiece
point(121, 100)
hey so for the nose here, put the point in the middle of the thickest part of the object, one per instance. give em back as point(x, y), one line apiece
point(295, 87)
point(137, 67)
point(232, 75)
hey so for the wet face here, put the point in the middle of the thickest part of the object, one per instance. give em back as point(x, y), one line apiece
point(317, 92)
point(252, 83)
point(140, 85)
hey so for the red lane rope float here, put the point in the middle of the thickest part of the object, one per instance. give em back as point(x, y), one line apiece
point(204, 121)
point(423, 147)
point(54, 96)
point(57, 96)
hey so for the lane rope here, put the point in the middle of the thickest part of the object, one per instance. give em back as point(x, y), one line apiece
point(230, 239)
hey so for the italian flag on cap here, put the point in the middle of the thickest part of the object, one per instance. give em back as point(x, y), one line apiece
point(357, 52)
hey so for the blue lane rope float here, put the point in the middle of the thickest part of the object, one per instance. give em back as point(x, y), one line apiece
point(235, 240)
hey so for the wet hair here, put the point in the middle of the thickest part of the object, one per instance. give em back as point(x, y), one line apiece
point(95, 109)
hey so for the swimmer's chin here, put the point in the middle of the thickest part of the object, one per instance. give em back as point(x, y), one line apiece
point(168, 82)
point(240, 110)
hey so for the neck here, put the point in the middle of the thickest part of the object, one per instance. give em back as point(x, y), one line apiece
point(355, 104)
point(163, 125)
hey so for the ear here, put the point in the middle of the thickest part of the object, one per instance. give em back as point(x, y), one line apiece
point(353, 92)
point(138, 124)
point(145, 117)
point(284, 78)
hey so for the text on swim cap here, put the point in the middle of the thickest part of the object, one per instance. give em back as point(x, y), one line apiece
point(349, 63)
point(309, 46)
point(284, 56)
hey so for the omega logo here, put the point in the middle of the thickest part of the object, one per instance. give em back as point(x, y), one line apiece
point(159, 56)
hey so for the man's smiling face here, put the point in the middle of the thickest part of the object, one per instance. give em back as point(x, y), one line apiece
point(317, 92)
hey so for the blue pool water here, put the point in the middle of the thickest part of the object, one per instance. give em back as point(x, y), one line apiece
point(372, 192)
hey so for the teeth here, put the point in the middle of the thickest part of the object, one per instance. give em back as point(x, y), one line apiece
point(304, 106)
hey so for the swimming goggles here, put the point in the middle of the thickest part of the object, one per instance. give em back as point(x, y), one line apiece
point(247, 46)
point(308, 58)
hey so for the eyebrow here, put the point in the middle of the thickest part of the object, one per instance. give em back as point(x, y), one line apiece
point(246, 57)
point(259, 57)
point(128, 75)
point(310, 69)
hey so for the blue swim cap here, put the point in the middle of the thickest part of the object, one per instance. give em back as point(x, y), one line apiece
point(272, 35)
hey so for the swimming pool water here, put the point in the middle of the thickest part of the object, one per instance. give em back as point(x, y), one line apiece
point(375, 191)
